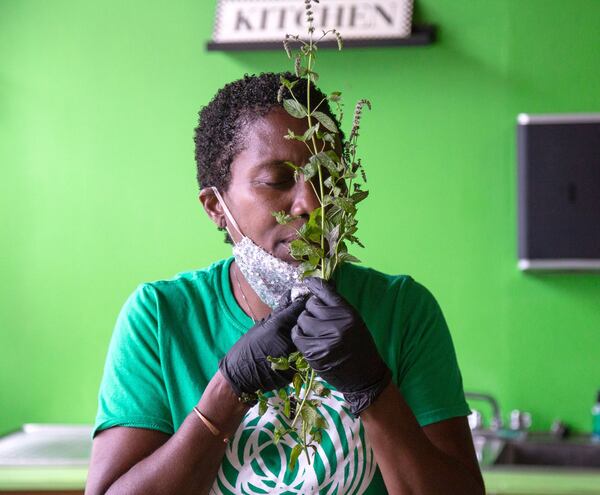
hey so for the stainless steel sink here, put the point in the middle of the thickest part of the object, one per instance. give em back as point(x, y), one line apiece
point(535, 449)
point(549, 453)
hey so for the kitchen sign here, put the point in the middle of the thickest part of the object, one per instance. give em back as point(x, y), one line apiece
point(255, 21)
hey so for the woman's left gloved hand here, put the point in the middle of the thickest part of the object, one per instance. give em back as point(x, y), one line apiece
point(338, 345)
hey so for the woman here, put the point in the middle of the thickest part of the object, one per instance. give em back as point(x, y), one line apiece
point(185, 350)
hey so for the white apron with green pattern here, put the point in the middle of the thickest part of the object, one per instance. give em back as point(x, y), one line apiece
point(253, 464)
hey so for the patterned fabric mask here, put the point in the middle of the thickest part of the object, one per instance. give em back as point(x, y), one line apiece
point(268, 276)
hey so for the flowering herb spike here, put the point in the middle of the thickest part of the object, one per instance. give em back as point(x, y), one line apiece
point(322, 240)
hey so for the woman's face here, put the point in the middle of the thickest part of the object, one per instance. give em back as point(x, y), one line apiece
point(261, 183)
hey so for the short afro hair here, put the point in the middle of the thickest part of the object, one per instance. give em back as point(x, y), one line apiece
point(219, 136)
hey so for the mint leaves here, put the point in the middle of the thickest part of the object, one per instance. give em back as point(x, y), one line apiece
point(322, 242)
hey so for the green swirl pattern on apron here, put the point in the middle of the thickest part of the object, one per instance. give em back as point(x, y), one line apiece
point(253, 464)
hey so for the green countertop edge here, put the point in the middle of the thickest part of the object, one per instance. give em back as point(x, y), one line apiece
point(497, 481)
point(527, 481)
point(42, 478)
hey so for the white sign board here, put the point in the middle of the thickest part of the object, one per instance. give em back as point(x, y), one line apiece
point(270, 20)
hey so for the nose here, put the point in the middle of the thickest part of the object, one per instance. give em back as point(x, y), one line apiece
point(305, 199)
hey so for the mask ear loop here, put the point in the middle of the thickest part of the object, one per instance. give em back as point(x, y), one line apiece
point(227, 212)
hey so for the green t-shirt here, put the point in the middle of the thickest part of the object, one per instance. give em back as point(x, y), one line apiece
point(171, 334)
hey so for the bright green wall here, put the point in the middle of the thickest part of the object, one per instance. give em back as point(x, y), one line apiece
point(97, 105)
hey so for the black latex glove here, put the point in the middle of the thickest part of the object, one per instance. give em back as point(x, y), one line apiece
point(338, 345)
point(245, 366)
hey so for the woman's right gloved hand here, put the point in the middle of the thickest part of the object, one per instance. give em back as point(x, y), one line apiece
point(245, 366)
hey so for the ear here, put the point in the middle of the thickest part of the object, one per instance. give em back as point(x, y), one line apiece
point(213, 208)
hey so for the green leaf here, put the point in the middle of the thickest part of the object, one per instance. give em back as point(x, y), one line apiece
point(286, 407)
point(335, 215)
point(346, 204)
point(262, 407)
point(301, 364)
point(297, 381)
point(310, 131)
point(355, 240)
point(314, 223)
point(300, 248)
point(324, 160)
point(328, 266)
point(310, 231)
point(363, 174)
point(307, 266)
point(309, 416)
point(286, 83)
point(278, 433)
point(296, 451)
point(322, 422)
point(346, 257)
point(335, 96)
point(283, 218)
point(332, 189)
point(314, 218)
point(293, 357)
point(279, 363)
point(317, 436)
point(358, 196)
point(282, 394)
point(335, 159)
point(321, 390)
point(260, 395)
point(290, 135)
point(332, 238)
point(326, 120)
point(311, 273)
point(310, 169)
point(328, 137)
point(295, 109)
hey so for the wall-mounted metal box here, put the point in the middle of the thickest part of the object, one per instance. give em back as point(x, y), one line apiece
point(559, 191)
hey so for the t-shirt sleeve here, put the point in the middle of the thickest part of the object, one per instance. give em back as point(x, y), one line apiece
point(429, 377)
point(132, 391)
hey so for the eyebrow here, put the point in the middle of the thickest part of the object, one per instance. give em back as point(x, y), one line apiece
point(268, 164)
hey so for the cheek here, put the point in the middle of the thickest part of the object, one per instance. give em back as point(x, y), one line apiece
point(271, 200)
point(260, 223)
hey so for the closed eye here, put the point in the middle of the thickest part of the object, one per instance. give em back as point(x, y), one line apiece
point(280, 184)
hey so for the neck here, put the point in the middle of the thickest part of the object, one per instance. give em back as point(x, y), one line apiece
point(258, 309)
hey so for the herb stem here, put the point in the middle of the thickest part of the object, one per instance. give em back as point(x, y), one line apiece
point(316, 193)
point(319, 104)
point(322, 222)
point(315, 151)
point(308, 390)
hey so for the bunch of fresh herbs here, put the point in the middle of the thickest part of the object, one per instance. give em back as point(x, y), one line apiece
point(322, 240)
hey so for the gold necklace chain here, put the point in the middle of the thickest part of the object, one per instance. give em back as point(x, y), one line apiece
point(253, 316)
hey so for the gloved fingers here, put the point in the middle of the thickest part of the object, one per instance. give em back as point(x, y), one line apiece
point(324, 290)
point(284, 301)
point(310, 326)
point(319, 309)
point(287, 316)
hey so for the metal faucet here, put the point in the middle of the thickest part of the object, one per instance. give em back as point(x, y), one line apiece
point(496, 422)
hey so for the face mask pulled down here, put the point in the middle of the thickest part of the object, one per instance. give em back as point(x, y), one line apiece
point(268, 276)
